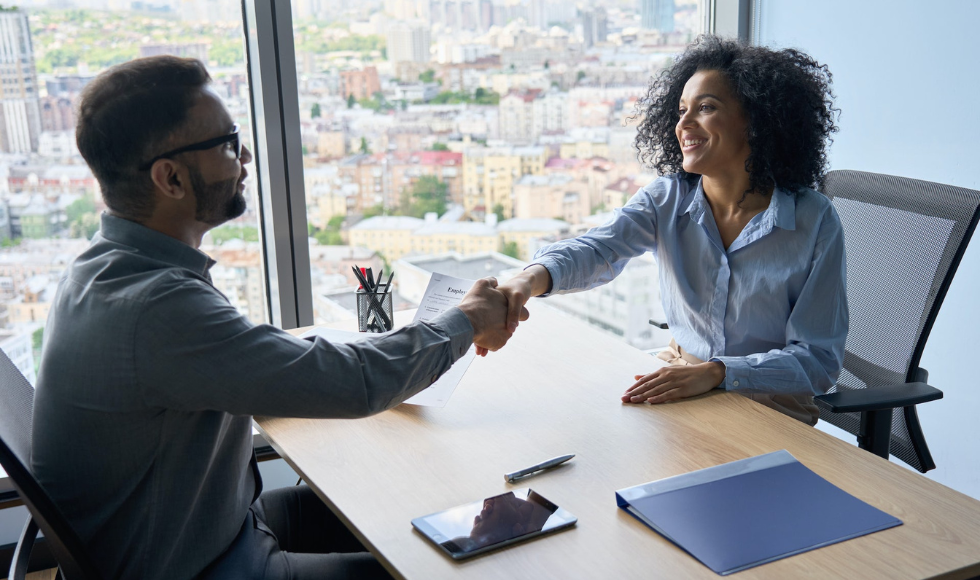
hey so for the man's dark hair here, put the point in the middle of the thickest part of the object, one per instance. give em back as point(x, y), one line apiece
point(128, 115)
point(787, 100)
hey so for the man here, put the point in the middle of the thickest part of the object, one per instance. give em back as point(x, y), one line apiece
point(149, 377)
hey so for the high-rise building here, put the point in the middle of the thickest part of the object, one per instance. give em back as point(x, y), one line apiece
point(594, 26)
point(20, 111)
point(600, 24)
point(409, 42)
point(362, 84)
point(588, 28)
point(657, 15)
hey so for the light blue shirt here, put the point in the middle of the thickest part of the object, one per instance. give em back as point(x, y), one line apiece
point(772, 307)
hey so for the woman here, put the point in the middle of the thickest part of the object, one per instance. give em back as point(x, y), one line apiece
point(751, 258)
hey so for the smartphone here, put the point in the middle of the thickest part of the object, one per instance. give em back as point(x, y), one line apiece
point(501, 520)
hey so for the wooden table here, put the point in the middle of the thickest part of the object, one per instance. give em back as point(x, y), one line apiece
point(555, 389)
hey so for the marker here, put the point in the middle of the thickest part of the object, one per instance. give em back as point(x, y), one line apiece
point(522, 473)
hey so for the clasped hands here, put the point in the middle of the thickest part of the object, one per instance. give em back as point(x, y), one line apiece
point(497, 310)
point(492, 313)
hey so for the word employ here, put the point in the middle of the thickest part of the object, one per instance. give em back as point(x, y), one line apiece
point(455, 291)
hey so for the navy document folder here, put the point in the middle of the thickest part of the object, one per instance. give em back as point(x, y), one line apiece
point(749, 512)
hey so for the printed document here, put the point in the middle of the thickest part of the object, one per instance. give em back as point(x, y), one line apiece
point(442, 293)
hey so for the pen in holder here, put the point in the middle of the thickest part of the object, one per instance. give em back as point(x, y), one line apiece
point(374, 311)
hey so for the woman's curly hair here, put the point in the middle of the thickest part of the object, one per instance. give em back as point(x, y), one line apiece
point(787, 100)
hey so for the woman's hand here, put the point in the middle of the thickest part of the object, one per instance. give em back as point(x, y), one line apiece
point(675, 382)
point(518, 290)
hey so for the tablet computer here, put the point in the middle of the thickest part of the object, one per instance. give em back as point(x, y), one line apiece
point(491, 523)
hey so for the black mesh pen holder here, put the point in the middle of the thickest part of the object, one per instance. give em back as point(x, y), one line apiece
point(374, 311)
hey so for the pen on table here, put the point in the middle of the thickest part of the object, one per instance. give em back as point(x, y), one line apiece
point(522, 473)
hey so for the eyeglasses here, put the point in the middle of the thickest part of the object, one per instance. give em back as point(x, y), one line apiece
point(232, 137)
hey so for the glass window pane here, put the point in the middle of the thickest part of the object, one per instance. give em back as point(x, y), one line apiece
point(49, 201)
point(462, 135)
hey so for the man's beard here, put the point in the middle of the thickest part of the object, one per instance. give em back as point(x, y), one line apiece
point(217, 202)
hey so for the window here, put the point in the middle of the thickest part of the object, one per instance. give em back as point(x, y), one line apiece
point(49, 201)
point(429, 128)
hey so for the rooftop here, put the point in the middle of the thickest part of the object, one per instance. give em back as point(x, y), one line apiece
point(470, 267)
point(531, 225)
point(390, 222)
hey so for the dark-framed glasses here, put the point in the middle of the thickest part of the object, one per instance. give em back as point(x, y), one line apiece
point(232, 138)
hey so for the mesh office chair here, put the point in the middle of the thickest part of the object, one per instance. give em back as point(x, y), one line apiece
point(16, 418)
point(904, 241)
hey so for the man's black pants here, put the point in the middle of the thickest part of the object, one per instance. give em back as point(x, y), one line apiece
point(290, 534)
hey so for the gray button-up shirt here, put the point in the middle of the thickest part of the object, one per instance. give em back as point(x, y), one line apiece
point(149, 379)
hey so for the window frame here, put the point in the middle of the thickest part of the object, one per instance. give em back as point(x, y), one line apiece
point(278, 160)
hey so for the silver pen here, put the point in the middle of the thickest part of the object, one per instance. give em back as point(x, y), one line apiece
point(522, 473)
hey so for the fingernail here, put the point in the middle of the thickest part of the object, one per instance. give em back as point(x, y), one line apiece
point(512, 326)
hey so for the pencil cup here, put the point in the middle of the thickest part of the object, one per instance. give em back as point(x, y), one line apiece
point(374, 311)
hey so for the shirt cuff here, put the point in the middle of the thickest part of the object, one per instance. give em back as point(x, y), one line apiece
point(737, 372)
point(458, 328)
point(552, 271)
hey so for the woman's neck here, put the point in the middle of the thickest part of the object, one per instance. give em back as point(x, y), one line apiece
point(727, 195)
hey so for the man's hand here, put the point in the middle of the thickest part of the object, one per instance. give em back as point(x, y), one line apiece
point(675, 382)
point(486, 307)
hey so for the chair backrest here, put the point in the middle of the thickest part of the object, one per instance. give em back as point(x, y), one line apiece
point(904, 240)
point(16, 419)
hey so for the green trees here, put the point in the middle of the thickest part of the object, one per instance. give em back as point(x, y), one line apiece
point(329, 236)
point(480, 97)
point(427, 195)
point(227, 232)
point(485, 97)
point(83, 221)
point(315, 111)
point(499, 210)
point(376, 103)
point(350, 101)
point(78, 208)
point(364, 146)
point(428, 76)
point(227, 52)
point(85, 226)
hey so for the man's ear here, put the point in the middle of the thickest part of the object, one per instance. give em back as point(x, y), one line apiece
point(167, 179)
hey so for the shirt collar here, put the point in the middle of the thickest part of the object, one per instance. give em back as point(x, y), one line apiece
point(780, 213)
point(693, 202)
point(155, 244)
point(782, 208)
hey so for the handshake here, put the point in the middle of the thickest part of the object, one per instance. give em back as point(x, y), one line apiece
point(495, 310)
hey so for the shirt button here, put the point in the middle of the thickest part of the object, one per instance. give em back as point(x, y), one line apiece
point(735, 383)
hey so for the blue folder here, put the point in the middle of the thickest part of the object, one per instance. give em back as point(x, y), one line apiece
point(749, 512)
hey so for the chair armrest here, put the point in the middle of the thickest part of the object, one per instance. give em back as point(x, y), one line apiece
point(880, 398)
